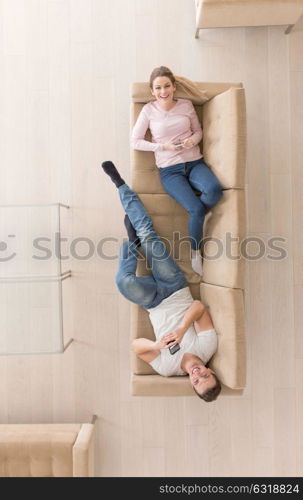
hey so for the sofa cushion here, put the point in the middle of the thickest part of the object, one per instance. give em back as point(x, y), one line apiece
point(226, 306)
point(224, 230)
point(224, 137)
point(170, 220)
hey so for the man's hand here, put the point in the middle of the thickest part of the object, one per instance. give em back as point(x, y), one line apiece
point(174, 337)
point(161, 344)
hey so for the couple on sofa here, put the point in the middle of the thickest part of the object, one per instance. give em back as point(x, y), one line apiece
point(185, 335)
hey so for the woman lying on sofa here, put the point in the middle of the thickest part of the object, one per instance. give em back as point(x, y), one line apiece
point(185, 335)
point(176, 133)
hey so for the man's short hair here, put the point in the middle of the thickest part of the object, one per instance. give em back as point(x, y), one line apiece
point(211, 394)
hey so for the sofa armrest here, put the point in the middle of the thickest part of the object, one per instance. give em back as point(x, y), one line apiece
point(224, 137)
point(158, 386)
point(83, 452)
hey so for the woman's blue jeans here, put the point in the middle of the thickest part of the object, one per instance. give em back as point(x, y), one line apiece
point(179, 181)
point(167, 277)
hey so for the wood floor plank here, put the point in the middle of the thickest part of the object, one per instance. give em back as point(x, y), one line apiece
point(58, 71)
point(18, 386)
point(263, 462)
point(106, 395)
point(3, 390)
point(299, 416)
point(132, 451)
point(15, 109)
point(125, 34)
point(294, 44)
point(42, 388)
point(281, 218)
point(278, 96)
point(154, 461)
point(281, 279)
point(256, 55)
point(154, 423)
point(259, 329)
point(108, 454)
point(81, 21)
point(195, 411)
point(241, 437)
point(220, 454)
point(296, 109)
point(197, 450)
point(283, 336)
point(175, 463)
point(36, 31)
point(298, 321)
point(63, 397)
point(285, 463)
point(146, 36)
point(38, 146)
point(14, 27)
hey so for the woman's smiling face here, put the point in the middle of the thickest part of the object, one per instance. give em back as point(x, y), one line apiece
point(163, 89)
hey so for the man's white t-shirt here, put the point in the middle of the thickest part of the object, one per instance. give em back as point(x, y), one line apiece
point(165, 318)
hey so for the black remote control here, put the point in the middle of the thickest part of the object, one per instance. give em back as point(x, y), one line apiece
point(174, 348)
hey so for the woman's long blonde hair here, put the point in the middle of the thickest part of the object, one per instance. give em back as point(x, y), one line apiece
point(186, 86)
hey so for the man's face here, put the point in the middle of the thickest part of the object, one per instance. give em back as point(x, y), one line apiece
point(201, 378)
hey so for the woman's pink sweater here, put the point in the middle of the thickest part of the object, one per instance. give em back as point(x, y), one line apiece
point(177, 124)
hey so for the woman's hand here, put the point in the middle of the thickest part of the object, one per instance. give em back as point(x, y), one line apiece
point(188, 143)
point(174, 337)
point(170, 146)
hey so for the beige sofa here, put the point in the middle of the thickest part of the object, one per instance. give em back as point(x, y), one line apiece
point(46, 450)
point(224, 141)
point(232, 13)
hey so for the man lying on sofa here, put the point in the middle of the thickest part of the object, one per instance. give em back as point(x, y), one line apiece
point(185, 335)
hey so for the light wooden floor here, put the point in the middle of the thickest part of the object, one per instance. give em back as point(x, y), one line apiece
point(66, 70)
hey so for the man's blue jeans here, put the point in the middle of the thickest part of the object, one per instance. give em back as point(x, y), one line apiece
point(179, 181)
point(167, 277)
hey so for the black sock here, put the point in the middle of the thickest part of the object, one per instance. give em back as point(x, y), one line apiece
point(110, 169)
point(132, 235)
